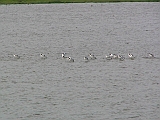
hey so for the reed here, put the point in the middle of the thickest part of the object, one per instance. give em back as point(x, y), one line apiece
point(67, 1)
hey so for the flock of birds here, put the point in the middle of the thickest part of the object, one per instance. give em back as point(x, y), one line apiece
point(92, 57)
point(108, 57)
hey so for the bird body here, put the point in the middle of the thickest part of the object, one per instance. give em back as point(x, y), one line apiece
point(63, 55)
point(43, 56)
point(92, 57)
point(16, 56)
point(121, 58)
point(131, 56)
point(151, 55)
point(86, 59)
point(70, 59)
point(108, 57)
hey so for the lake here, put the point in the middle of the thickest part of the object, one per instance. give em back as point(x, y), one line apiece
point(33, 88)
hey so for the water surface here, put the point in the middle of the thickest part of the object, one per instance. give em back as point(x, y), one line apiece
point(54, 89)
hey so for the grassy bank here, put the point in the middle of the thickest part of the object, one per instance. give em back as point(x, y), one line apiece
point(67, 1)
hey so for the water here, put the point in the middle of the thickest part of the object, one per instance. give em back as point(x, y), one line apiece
point(32, 88)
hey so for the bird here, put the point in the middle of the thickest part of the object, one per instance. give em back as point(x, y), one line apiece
point(63, 55)
point(108, 57)
point(16, 56)
point(43, 56)
point(131, 56)
point(86, 59)
point(121, 58)
point(115, 56)
point(111, 55)
point(151, 55)
point(92, 56)
point(70, 59)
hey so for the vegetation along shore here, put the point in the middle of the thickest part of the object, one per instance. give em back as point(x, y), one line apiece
point(67, 1)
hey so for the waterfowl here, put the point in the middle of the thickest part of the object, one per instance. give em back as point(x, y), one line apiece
point(16, 56)
point(43, 56)
point(70, 59)
point(131, 56)
point(111, 55)
point(115, 56)
point(92, 56)
point(63, 55)
point(120, 57)
point(108, 57)
point(151, 55)
point(86, 59)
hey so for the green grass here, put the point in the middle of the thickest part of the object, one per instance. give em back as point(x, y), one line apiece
point(67, 1)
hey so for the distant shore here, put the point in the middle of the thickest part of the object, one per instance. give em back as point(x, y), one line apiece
point(68, 1)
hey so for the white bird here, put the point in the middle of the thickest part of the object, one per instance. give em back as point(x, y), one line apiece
point(43, 56)
point(92, 56)
point(115, 56)
point(111, 55)
point(63, 55)
point(108, 57)
point(120, 57)
point(131, 56)
point(151, 55)
point(16, 56)
point(70, 59)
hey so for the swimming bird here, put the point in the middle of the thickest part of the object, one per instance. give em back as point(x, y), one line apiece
point(131, 56)
point(16, 56)
point(43, 56)
point(92, 56)
point(121, 58)
point(108, 57)
point(70, 59)
point(111, 55)
point(115, 56)
point(86, 59)
point(63, 55)
point(151, 55)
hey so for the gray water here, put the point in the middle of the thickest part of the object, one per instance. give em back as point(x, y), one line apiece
point(32, 88)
